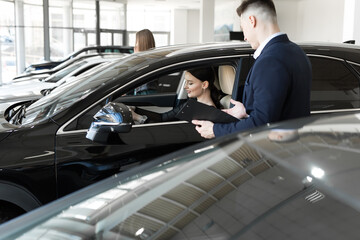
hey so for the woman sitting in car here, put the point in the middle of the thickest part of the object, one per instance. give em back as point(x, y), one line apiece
point(199, 84)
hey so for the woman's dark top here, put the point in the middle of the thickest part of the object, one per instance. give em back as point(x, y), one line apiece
point(170, 115)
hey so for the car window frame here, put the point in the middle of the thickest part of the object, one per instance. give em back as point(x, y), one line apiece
point(351, 70)
point(233, 59)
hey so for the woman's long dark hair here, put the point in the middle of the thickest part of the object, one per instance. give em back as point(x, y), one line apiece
point(208, 74)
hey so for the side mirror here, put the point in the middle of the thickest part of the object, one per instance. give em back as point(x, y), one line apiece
point(111, 119)
point(45, 92)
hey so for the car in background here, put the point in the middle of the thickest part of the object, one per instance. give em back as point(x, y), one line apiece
point(58, 156)
point(17, 91)
point(83, 51)
point(44, 73)
point(251, 185)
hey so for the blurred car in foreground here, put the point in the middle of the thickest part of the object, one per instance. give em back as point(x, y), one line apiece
point(253, 185)
point(44, 152)
point(83, 51)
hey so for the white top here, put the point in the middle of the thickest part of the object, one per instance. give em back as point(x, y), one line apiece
point(263, 44)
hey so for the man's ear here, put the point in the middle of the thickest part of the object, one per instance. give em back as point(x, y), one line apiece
point(252, 20)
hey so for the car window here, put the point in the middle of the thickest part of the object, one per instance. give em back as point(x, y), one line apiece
point(356, 67)
point(159, 87)
point(167, 92)
point(167, 83)
point(334, 85)
point(156, 98)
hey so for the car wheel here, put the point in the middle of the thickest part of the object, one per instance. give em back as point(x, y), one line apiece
point(9, 211)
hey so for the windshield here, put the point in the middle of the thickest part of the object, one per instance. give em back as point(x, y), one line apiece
point(67, 94)
point(62, 73)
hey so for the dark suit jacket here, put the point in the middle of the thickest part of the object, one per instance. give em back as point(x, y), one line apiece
point(277, 87)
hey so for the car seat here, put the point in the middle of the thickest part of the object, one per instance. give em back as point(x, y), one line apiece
point(226, 75)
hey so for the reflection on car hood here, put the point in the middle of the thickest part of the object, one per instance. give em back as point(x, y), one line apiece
point(22, 78)
point(28, 90)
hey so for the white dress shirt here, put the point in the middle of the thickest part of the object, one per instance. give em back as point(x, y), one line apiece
point(263, 44)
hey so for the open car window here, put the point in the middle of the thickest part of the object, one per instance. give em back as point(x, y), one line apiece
point(153, 94)
point(157, 95)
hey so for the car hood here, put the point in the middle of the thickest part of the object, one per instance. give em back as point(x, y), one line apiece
point(24, 90)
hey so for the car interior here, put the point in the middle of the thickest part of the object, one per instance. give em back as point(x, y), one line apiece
point(224, 81)
point(169, 93)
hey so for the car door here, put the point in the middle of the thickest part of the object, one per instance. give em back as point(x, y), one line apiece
point(335, 85)
point(81, 161)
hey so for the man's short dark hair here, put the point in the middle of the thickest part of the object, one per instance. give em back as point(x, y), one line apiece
point(268, 4)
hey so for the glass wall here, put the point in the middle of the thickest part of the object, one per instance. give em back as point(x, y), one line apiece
point(157, 21)
point(34, 31)
point(112, 23)
point(84, 23)
point(7, 41)
point(61, 32)
point(72, 26)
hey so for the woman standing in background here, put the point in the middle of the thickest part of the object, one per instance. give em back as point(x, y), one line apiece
point(144, 40)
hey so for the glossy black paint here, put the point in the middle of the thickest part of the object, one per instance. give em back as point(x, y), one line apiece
point(243, 186)
point(53, 158)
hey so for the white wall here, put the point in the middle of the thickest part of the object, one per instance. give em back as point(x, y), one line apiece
point(193, 26)
point(288, 18)
point(302, 20)
point(207, 16)
point(321, 20)
point(179, 29)
point(185, 26)
point(311, 20)
point(351, 21)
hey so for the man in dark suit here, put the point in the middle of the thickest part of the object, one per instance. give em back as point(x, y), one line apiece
point(278, 85)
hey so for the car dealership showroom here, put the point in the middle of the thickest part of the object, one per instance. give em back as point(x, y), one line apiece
point(179, 119)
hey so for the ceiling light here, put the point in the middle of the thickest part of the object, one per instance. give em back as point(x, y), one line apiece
point(317, 172)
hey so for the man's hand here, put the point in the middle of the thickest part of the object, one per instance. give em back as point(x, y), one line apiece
point(238, 110)
point(205, 128)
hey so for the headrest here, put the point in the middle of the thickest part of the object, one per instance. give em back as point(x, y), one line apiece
point(226, 78)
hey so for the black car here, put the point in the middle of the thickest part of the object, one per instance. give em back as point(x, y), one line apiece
point(83, 51)
point(252, 185)
point(44, 152)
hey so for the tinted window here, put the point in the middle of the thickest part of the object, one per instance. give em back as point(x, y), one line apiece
point(334, 86)
point(169, 83)
point(356, 67)
point(163, 84)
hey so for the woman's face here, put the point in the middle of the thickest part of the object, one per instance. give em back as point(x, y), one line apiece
point(193, 86)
